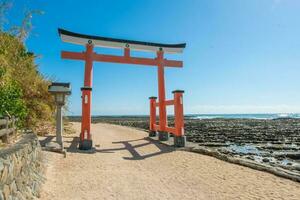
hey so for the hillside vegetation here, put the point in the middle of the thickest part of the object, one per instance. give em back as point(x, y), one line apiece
point(23, 89)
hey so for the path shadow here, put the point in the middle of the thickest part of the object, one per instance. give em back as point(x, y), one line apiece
point(135, 154)
point(73, 147)
point(46, 140)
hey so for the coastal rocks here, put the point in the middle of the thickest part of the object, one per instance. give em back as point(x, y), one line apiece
point(21, 169)
point(280, 133)
point(255, 131)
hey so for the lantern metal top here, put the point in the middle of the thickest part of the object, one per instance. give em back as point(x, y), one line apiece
point(82, 39)
point(58, 87)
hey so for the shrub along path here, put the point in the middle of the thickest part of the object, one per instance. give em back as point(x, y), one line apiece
point(127, 165)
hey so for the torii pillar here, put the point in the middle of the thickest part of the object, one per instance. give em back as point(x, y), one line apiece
point(85, 135)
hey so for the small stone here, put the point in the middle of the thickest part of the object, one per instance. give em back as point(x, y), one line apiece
point(20, 184)
point(6, 191)
point(14, 159)
point(17, 168)
point(4, 175)
point(28, 193)
point(1, 165)
point(23, 161)
point(36, 189)
point(1, 195)
point(10, 176)
point(20, 196)
point(13, 188)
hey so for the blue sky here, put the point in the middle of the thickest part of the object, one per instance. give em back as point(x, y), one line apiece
point(242, 56)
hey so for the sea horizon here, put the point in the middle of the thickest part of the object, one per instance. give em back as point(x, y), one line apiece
point(217, 116)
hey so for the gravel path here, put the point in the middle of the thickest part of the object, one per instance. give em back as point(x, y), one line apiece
point(127, 165)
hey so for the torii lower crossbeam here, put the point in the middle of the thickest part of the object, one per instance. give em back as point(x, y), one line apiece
point(126, 59)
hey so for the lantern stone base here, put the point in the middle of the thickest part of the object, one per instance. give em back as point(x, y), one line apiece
point(152, 134)
point(163, 136)
point(85, 145)
point(179, 141)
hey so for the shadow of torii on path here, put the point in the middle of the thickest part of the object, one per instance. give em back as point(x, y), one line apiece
point(127, 146)
point(135, 154)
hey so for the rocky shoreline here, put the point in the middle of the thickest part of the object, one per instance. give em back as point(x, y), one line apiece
point(273, 142)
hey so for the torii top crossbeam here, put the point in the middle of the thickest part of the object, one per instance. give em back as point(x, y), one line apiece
point(82, 39)
point(89, 56)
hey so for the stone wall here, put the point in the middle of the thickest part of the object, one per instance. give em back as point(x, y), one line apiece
point(21, 169)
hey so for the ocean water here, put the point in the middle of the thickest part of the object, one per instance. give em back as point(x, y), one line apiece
point(245, 116)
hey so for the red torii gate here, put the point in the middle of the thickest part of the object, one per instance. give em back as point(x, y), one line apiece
point(89, 56)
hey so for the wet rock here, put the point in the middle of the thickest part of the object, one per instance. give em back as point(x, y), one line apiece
point(289, 163)
point(250, 157)
point(297, 167)
point(293, 155)
point(279, 158)
point(266, 160)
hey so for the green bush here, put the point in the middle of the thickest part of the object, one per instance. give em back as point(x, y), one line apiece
point(11, 102)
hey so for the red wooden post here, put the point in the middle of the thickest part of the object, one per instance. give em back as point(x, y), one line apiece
point(152, 120)
point(179, 138)
point(85, 135)
point(163, 136)
point(161, 91)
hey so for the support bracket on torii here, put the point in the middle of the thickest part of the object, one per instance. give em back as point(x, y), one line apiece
point(89, 56)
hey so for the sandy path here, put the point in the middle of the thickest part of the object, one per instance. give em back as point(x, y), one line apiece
point(128, 166)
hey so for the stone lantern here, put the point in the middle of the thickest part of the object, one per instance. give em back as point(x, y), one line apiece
point(59, 91)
